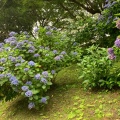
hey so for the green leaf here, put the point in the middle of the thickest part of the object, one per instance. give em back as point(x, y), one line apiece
point(36, 97)
point(43, 87)
point(35, 91)
point(71, 115)
point(49, 83)
point(2, 82)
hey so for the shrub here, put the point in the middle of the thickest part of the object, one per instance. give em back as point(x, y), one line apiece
point(28, 65)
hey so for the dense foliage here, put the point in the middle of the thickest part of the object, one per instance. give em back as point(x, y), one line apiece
point(28, 65)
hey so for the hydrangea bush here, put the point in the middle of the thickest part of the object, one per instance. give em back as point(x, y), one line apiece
point(99, 67)
point(28, 65)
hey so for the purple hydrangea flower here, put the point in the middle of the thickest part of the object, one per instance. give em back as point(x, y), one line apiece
point(1, 44)
point(43, 80)
point(2, 76)
point(55, 51)
point(1, 49)
point(47, 48)
point(45, 73)
point(25, 33)
point(15, 82)
point(12, 33)
point(74, 53)
point(19, 45)
point(37, 76)
point(25, 88)
point(7, 48)
point(36, 55)
point(31, 105)
point(112, 56)
point(8, 75)
point(36, 29)
point(57, 58)
point(19, 58)
point(13, 43)
point(12, 59)
point(53, 71)
point(26, 69)
point(63, 53)
point(118, 23)
point(28, 83)
point(17, 64)
point(28, 93)
point(41, 47)
point(48, 27)
point(31, 51)
point(12, 78)
point(110, 51)
point(117, 43)
point(48, 33)
point(31, 47)
point(31, 63)
point(2, 60)
point(43, 100)
point(1, 68)
point(25, 41)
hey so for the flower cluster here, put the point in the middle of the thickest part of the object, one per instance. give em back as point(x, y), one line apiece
point(118, 23)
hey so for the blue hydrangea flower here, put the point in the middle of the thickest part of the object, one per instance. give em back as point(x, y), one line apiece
point(43, 100)
point(31, 105)
point(13, 43)
point(45, 73)
point(31, 63)
point(37, 76)
point(12, 78)
point(48, 27)
point(2, 76)
point(20, 45)
point(1, 68)
point(53, 71)
point(36, 55)
point(25, 88)
point(47, 48)
point(43, 80)
point(36, 29)
point(26, 69)
point(41, 47)
point(2, 60)
point(48, 33)
point(12, 33)
point(17, 64)
point(55, 51)
point(25, 41)
point(25, 33)
point(28, 93)
point(74, 53)
point(57, 58)
point(14, 82)
point(19, 58)
point(31, 51)
point(1, 45)
point(28, 83)
point(8, 75)
point(12, 59)
point(7, 48)
point(63, 53)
